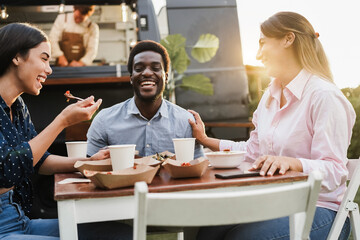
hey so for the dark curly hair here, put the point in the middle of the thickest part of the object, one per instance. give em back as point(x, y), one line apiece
point(18, 38)
point(149, 45)
point(85, 10)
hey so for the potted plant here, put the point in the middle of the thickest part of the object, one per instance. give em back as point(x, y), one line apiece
point(203, 51)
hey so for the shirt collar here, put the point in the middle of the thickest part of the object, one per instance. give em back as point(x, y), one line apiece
point(3, 104)
point(295, 86)
point(16, 105)
point(133, 109)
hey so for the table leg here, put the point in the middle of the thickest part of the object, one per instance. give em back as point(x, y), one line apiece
point(67, 220)
point(190, 233)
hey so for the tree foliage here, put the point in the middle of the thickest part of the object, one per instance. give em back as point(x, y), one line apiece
point(353, 94)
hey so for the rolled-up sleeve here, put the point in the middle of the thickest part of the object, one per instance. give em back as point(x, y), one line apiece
point(91, 45)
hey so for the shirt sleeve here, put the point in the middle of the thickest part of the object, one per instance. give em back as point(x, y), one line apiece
point(92, 45)
point(251, 146)
point(333, 118)
point(56, 35)
point(96, 135)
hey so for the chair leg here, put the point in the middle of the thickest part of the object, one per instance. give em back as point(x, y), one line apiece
point(355, 223)
point(180, 236)
point(338, 225)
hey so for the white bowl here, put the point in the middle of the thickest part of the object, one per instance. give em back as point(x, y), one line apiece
point(226, 159)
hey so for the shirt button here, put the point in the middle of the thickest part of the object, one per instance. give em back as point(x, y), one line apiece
point(147, 145)
point(148, 123)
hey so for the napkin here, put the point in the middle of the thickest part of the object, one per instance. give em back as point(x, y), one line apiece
point(74, 180)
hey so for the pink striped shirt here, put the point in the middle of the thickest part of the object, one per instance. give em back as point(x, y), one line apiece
point(314, 126)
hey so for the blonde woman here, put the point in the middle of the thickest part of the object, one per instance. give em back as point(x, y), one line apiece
point(303, 123)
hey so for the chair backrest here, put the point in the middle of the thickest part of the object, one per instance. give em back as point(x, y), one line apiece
point(348, 207)
point(206, 209)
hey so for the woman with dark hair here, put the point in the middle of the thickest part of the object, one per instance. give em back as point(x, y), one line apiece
point(303, 123)
point(24, 66)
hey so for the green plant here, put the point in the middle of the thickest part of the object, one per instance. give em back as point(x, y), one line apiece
point(203, 51)
point(257, 82)
point(353, 94)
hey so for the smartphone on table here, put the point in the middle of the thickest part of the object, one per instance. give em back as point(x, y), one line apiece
point(237, 174)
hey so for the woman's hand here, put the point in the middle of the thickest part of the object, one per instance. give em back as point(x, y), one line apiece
point(198, 132)
point(100, 155)
point(198, 127)
point(80, 111)
point(270, 164)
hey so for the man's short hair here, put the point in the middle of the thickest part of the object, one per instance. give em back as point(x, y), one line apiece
point(149, 45)
point(85, 10)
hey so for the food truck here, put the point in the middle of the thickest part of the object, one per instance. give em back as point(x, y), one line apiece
point(122, 24)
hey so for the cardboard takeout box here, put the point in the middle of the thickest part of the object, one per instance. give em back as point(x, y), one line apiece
point(98, 165)
point(123, 178)
point(197, 168)
point(105, 165)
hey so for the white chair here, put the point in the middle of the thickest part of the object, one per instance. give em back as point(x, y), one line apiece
point(206, 209)
point(348, 207)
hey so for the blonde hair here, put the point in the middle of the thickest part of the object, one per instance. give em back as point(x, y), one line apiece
point(308, 49)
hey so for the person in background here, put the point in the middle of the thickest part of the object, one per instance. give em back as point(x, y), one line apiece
point(75, 38)
point(147, 120)
point(303, 123)
point(24, 67)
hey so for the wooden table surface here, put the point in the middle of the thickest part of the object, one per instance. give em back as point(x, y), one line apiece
point(164, 183)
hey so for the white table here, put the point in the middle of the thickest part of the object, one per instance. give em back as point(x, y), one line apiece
point(83, 202)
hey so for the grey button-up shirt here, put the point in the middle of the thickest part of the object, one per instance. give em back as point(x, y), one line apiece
point(124, 124)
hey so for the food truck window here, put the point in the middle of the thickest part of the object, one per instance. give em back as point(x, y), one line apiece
point(117, 26)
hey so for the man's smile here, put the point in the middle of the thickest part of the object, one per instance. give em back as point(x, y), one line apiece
point(147, 83)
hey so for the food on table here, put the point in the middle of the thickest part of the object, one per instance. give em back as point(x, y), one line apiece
point(69, 96)
point(185, 164)
point(161, 157)
point(194, 168)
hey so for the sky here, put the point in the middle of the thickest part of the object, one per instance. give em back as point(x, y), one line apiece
point(336, 21)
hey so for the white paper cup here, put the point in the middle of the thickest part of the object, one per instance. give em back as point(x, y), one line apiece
point(184, 149)
point(76, 149)
point(122, 156)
